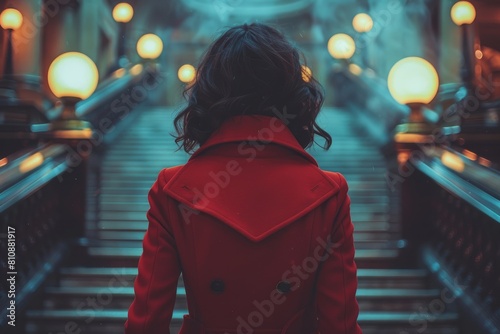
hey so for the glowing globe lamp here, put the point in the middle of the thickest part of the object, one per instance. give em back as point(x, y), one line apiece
point(123, 12)
point(11, 18)
point(413, 80)
point(149, 46)
point(186, 73)
point(362, 22)
point(73, 75)
point(463, 12)
point(341, 46)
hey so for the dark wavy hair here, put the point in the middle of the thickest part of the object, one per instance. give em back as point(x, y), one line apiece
point(250, 70)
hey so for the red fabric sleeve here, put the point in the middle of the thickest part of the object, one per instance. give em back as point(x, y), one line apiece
point(336, 305)
point(158, 271)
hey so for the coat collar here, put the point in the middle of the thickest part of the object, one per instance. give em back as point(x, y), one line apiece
point(254, 127)
point(255, 196)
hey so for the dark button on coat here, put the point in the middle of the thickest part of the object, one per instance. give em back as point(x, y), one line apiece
point(217, 286)
point(249, 209)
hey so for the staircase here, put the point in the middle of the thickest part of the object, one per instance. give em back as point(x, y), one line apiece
point(94, 296)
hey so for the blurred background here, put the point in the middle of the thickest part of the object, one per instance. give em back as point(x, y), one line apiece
point(88, 92)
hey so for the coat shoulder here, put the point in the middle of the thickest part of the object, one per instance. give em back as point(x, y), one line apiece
point(167, 174)
point(337, 178)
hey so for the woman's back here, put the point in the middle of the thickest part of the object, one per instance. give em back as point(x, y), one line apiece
point(262, 236)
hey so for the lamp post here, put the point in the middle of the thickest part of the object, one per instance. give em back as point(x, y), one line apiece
point(413, 81)
point(463, 14)
point(122, 14)
point(10, 19)
point(363, 23)
point(72, 77)
point(342, 47)
point(149, 47)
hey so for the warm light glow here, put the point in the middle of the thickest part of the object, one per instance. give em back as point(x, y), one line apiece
point(119, 73)
point(31, 163)
point(73, 74)
point(306, 73)
point(341, 46)
point(11, 19)
point(186, 73)
point(413, 80)
point(412, 138)
point(453, 161)
point(123, 12)
point(4, 161)
point(469, 154)
point(463, 12)
point(71, 134)
point(149, 46)
point(362, 22)
point(485, 162)
point(403, 157)
point(355, 69)
point(479, 54)
point(136, 69)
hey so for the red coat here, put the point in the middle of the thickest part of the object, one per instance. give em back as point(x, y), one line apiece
point(262, 236)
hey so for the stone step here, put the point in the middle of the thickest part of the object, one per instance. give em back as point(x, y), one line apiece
point(117, 296)
point(128, 257)
point(359, 212)
point(367, 278)
point(108, 321)
point(143, 191)
point(119, 182)
point(141, 225)
point(131, 198)
point(133, 239)
point(359, 236)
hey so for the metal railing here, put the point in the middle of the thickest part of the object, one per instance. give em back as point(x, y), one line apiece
point(31, 208)
point(459, 230)
point(43, 197)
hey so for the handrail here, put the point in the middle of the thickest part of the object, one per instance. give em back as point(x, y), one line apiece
point(109, 89)
point(449, 90)
point(379, 86)
point(24, 174)
point(468, 180)
point(40, 247)
point(480, 171)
